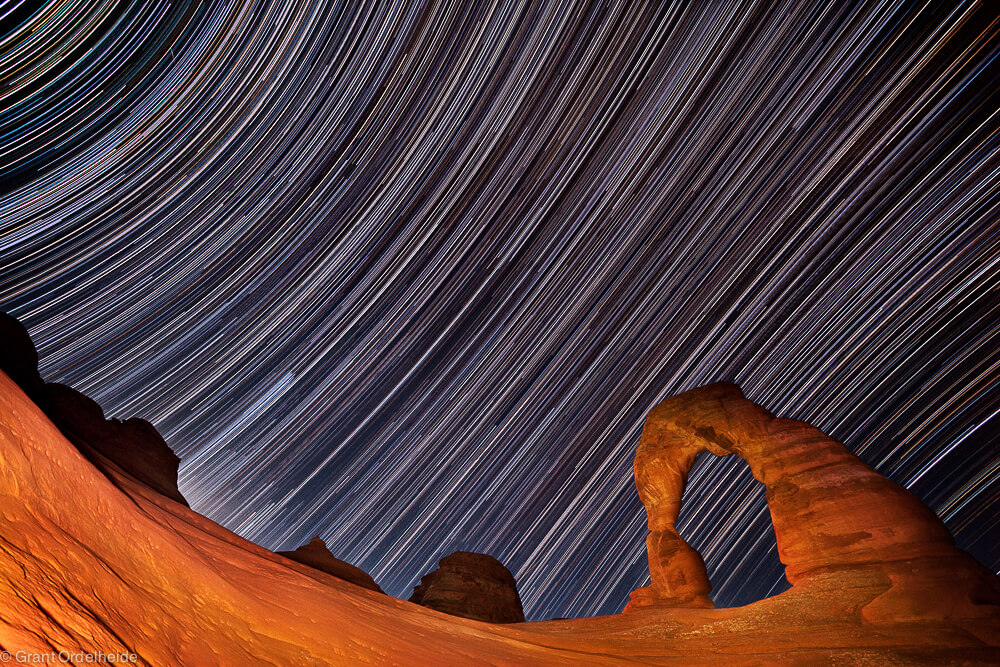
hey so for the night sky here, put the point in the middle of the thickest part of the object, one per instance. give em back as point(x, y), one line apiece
point(410, 277)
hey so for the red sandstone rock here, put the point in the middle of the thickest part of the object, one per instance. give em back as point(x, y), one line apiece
point(833, 515)
point(471, 585)
point(316, 555)
point(87, 566)
point(132, 447)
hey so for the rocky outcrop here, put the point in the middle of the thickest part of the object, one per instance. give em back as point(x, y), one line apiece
point(133, 447)
point(834, 517)
point(471, 585)
point(317, 556)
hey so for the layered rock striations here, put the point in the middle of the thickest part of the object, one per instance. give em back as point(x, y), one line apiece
point(132, 447)
point(471, 585)
point(834, 517)
point(317, 556)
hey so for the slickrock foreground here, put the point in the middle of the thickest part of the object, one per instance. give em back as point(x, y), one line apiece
point(95, 567)
point(471, 585)
point(317, 556)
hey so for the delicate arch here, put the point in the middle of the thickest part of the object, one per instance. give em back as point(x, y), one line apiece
point(830, 511)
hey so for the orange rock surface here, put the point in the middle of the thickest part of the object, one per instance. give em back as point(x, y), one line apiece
point(132, 448)
point(88, 566)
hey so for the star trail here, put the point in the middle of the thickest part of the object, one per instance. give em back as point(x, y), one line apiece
point(409, 276)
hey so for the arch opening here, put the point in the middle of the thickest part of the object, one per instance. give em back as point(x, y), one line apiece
point(736, 540)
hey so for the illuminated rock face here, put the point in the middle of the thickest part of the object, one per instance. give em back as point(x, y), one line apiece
point(471, 585)
point(832, 514)
point(316, 555)
point(91, 564)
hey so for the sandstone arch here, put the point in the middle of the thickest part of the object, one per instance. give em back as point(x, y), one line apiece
point(832, 514)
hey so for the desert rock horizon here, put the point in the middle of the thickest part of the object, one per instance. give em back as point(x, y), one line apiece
point(100, 558)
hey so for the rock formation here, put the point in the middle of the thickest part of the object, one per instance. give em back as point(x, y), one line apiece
point(19, 359)
point(132, 447)
point(90, 566)
point(316, 555)
point(834, 517)
point(471, 585)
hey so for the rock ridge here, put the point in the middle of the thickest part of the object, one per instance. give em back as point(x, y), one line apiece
point(317, 556)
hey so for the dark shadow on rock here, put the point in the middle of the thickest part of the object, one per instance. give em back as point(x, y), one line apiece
point(471, 585)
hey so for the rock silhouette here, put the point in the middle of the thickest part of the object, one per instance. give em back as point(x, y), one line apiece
point(833, 515)
point(132, 447)
point(19, 359)
point(471, 585)
point(316, 555)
